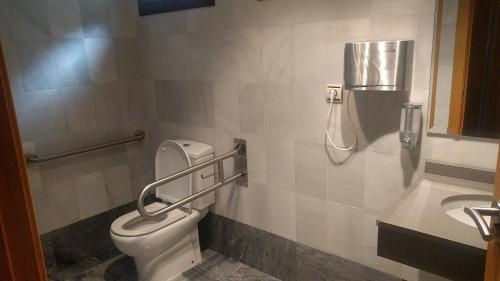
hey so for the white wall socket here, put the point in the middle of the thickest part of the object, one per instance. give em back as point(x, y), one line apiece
point(334, 93)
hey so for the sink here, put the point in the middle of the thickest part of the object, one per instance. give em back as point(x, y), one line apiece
point(454, 206)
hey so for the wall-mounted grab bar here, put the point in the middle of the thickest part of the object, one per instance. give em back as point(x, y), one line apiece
point(33, 158)
point(238, 151)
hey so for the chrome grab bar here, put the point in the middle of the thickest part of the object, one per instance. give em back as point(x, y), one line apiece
point(238, 151)
point(33, 158)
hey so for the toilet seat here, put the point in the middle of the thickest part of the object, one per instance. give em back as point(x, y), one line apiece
point(133, 224)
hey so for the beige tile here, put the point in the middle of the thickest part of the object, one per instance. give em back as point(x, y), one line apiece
point(386, 178)
point(279, 115)
point(413, 274)
point(64, 18)
point(91, 194)
point(124, 14)
point(118, 185)
point(345, 231)
point(277, 51)
point(310, 113)
point(311, 221)
point(310, 50)
point(111, 105)
point(346, 180)
point(256, 159)
point(101, 60)
point(466, 152)
point(79, 105)
point(280, 163)
point(56, 206)
point(275, 212)
point(369, 255)
point(226, 105)
point(252, 100)
point(128, 58)
point(393, 27)
point(277, 12)
point(280, 206)
point(311, 11)
point(310, 170)
point(40, 114)
point(349, 9)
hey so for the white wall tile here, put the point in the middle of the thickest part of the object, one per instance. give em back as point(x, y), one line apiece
point(252, 100)
point(118, 185)
point(310, 112)
point(80, 108)
point(64, 18)
point(91, 194)
point(56, 206)
point(277, 53)
point(344, 231)
point(386, 178)
point(280, 156)
point(311, 11)
point(369, 255)
point(226, 105)
point(310, 48)
point(101, 60)
point(312, 223)
point(465, 152)
point(346, 180)
point(124, 14)
point(310, 170)
point(279, 115)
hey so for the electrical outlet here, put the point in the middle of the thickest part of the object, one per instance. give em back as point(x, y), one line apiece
point(334, 93)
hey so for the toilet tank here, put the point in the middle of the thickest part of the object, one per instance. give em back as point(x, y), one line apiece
point(198, 153)
point(177, 155)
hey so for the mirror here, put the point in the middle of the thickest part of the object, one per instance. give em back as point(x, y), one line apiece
point(465, 94)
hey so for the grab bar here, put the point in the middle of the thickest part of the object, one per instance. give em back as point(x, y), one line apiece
point(33, 158)
point(238, 151)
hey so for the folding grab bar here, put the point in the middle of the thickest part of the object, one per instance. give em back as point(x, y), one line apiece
point(238, 151)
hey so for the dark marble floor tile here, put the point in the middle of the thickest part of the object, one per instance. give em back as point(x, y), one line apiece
point(87, 238)
point(48, 253)
point(267, 252)
point(199, 274)
point(245, 273)
point(217, 263)
point(270, 253)
point(316, 265)
point(370, 274)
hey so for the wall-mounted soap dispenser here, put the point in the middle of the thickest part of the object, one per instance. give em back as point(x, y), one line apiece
point(378, 66)
point(409, 127)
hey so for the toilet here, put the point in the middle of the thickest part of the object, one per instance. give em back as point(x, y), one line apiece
point(166, 246)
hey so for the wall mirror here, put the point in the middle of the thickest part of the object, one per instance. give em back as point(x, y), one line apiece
point(465, 94)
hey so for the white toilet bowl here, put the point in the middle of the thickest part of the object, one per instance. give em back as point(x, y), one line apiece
point(165, 247)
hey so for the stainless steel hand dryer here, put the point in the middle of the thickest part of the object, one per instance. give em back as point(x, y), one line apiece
point(378, 66)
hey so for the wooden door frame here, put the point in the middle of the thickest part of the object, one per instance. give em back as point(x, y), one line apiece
point(20, 249)
point(492, 269)
point(463, 35)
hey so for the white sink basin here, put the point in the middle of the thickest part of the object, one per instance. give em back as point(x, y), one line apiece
point(454, 206)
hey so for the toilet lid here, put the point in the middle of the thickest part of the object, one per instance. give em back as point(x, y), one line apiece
point(133, 224)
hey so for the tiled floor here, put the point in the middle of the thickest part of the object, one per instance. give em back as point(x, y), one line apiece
point(214, 267)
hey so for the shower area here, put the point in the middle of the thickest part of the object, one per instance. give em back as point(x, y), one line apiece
point(88, 72)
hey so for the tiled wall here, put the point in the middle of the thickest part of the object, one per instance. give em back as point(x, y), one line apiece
point(84, 71)
point(76, 76)
point(258, 70)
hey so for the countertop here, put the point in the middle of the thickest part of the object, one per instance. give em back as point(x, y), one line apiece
point(420, 209)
